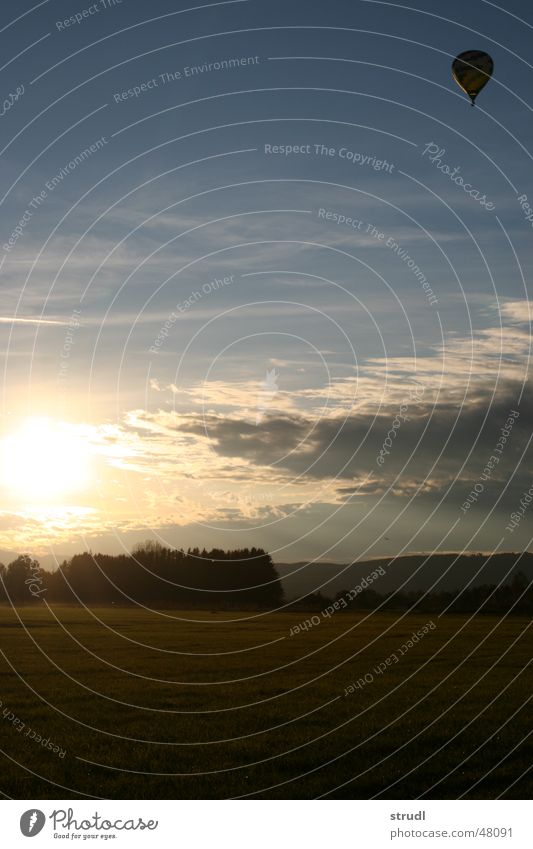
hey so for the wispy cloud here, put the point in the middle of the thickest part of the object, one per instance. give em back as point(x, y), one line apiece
point(518, 312)
point(7, 319)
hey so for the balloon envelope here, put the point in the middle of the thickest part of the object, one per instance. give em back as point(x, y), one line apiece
point(472, 70)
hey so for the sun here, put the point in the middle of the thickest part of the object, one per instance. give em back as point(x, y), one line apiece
point(45, 460)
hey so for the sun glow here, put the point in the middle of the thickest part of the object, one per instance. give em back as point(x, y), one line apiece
point(45, 460)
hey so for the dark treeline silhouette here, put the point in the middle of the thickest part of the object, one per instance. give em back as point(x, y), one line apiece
point(516, 597)
point(464, 582)
point(151, 575)
point(162, 577)
point(21, 580)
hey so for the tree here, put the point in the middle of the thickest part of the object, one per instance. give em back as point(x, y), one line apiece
point(3, 596)
point(23, 579)
point(159, 576)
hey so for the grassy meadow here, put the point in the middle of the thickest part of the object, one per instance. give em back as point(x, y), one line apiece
point(222, 705)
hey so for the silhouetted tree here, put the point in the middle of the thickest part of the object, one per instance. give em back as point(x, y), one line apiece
point(20, 575)
point(3, 596)
point(160, 576)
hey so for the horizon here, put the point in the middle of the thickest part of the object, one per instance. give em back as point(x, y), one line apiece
point(351, 562)
point(217, 579)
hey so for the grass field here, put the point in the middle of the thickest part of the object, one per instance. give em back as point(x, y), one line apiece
point(162, 706)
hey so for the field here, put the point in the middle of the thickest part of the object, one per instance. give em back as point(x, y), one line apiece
point(230, 705)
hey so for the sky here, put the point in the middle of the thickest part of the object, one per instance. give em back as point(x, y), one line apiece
point(246, 299)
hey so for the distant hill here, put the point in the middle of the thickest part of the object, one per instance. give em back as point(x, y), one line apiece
point(7, 556)
point(50, 562)
point(443, 572)
point(46, 561)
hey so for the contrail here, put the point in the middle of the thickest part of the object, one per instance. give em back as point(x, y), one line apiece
point(6, 319)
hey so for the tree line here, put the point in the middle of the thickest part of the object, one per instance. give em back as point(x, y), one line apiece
point(151, 575)
point(515, 597)
point(157, 576)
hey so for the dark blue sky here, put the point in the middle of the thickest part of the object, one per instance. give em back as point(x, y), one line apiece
point(233, 248)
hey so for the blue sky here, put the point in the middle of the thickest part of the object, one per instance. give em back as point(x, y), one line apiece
point(191, 304)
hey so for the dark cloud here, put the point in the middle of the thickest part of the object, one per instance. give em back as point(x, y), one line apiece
point(438, 444)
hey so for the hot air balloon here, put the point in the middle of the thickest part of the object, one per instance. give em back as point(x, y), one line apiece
point(472, 70)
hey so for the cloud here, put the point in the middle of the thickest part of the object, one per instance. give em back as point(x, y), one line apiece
point(203, 456)
point(336, 454)
point(518, 312)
